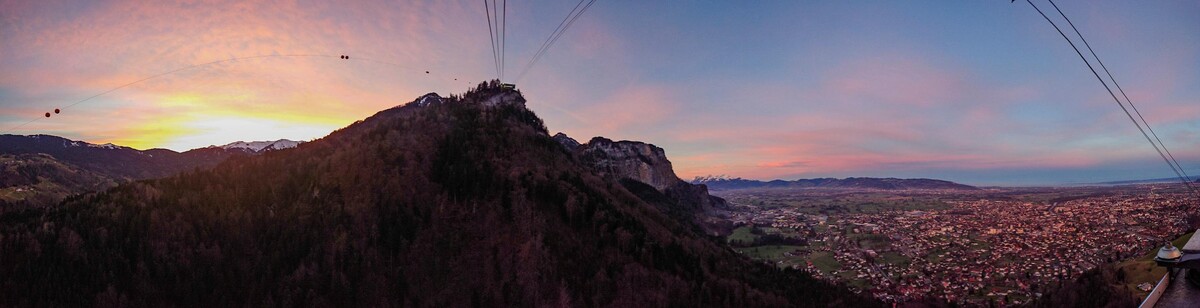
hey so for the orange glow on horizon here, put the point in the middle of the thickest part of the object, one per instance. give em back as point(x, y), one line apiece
point(188, 120)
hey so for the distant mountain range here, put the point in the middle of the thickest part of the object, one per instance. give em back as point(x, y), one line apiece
point(262, 146)
point(726, 183)
point(1145, 181)
point(42, 169)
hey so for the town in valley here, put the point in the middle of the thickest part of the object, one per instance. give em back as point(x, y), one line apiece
point(1003, 246)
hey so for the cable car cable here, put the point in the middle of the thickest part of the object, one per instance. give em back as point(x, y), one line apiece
point(552, 34)
point(1114, 96)
point(554, 38)
point(1119, 89)
point(570, 19)
point(491, 36)
point(496, 23)
point(503, 35)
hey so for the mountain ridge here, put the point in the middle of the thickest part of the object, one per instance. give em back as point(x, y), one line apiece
point(260, 146)
point(457, 201)
point(97, 166)
point(44, 169)
point(726, 183)
point(118, 160)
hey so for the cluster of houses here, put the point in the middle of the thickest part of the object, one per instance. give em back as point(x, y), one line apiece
point(979, 251)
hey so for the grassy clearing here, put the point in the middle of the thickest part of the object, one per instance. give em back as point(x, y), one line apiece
point(824, 261)
point(742, 235)
point(871, 241)
point(892, 257)
point(771, 253)
point(783, 232)
point(936, 255)
point(1143, 269)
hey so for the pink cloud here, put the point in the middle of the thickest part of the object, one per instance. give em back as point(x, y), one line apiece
point(629, 108)
point(863, 118)
point(896, 109)
point(58, 53)
point(896, 79)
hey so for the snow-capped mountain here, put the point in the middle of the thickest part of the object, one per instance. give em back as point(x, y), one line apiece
point(262, 146)
point(45, 169)
point(74, 143)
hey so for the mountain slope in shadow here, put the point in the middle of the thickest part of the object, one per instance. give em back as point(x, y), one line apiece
point(455, 201)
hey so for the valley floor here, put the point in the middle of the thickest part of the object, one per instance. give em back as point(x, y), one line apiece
point(995, 246)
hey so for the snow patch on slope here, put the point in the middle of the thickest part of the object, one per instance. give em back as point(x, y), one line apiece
point(260, 146)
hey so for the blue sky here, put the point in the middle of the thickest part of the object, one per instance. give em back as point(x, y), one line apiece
point(982, 92)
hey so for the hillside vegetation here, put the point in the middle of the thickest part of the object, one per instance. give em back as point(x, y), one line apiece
point(459, 201)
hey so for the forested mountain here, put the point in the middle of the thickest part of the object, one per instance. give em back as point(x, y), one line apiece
point(39, 179)
point(457, 201)
point(113, 160)
point(40, 170)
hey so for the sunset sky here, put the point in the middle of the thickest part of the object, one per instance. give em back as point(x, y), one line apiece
point(982, 92)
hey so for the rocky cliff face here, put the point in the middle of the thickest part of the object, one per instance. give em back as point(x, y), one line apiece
point(566, 141)
point(648, 164)
point(634, 160)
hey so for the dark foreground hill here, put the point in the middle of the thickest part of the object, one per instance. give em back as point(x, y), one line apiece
point(459, 201)
point(723, 183)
